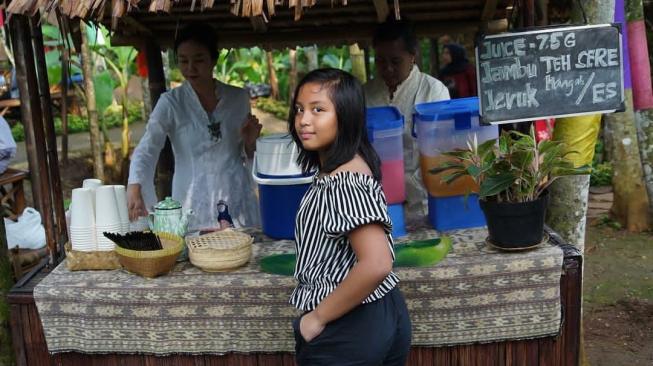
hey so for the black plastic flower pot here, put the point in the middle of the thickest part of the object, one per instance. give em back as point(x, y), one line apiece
point(515, 225)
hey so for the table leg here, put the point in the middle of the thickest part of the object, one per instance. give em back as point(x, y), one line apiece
point(19, 197)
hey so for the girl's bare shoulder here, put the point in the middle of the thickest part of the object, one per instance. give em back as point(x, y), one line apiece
point(355, 165)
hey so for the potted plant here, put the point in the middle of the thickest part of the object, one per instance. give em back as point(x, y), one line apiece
point(513, 176)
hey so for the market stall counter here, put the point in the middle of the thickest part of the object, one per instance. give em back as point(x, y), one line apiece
point(478, 306)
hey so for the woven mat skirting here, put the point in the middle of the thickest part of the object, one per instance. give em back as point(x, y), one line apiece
point(476, 294)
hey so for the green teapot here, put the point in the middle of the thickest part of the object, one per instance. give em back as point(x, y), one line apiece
point(168, 217)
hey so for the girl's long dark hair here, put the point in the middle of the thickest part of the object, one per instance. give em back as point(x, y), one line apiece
point(346, 94)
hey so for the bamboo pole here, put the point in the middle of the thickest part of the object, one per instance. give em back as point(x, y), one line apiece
point(157, 81)
point(30, 109)
point(98, 162)
point(55, 190)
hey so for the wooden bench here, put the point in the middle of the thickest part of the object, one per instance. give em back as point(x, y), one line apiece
point(6, 104)
point(12, 192)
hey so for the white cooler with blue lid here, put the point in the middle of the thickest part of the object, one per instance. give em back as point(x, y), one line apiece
point(281, 184)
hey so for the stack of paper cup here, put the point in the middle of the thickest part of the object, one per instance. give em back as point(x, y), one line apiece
point(121, 200)
point(82, 220)
point(107, 216)
point(92, 184)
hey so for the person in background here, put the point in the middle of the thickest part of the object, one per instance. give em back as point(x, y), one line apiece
point(213, 137)
point(457, 73)
point(353, 312)
point(400, 83)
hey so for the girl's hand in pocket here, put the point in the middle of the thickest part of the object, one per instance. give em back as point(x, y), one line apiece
point(310, 326)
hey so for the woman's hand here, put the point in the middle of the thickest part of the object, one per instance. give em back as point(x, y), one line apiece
point(250, 131)
point(310, 326)
point(135, 202)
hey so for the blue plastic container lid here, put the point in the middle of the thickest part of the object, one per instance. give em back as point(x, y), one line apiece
point(446, 109)
point(383, 118)
point(460, 110)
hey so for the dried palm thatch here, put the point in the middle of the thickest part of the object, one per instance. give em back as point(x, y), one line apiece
point(94, 9)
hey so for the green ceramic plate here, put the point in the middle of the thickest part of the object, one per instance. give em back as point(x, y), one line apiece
point(420, 253)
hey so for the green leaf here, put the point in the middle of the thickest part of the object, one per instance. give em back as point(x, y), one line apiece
point(474, 171)
point(452, 177)
point(493, 185)
point(51, 33)
point(53, 65)
point(486, 147)
point(104, 86)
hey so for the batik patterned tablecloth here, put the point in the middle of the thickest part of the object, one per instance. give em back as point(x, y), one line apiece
point(476, 294)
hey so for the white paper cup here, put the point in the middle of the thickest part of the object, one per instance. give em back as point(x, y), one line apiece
point(82, 214)
point(121, 200)
point(91, 183)
point(106, 209)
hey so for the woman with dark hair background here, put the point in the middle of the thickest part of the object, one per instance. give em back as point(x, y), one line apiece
point(458, 74)
point(213, 137)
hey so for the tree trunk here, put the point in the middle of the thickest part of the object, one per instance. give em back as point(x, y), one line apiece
point(147, 104)
point(292, 78)
point(311, 55)
point(568, 199)
point(630, 206)
point(157, 83)
point(644, 123)
point(272, 74)
point(94, 127)
point(357, 62)
point(568, 207)
point(644, 118)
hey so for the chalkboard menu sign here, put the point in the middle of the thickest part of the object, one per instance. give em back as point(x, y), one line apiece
point(550, 72)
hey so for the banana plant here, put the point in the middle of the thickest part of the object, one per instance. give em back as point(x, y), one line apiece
point(120, 61)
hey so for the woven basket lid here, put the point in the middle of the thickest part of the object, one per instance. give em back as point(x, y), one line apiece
point(220, 240)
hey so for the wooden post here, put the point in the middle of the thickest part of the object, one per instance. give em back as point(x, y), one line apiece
point(64, 105)
point(157, 82)
point(55, 189)
point(434, 57)
point(528, 13)
point(366, 54)
point(30, 108)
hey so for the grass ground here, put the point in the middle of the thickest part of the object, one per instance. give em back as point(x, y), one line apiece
point(618, 297)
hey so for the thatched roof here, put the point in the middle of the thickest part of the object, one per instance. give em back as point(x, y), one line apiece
point(270, 23)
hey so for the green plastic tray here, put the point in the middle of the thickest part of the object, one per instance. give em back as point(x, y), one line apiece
point(419, 253)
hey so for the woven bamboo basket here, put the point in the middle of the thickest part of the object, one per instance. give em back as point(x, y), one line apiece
point(95, 260)
point(152, 263)
point(220, 251)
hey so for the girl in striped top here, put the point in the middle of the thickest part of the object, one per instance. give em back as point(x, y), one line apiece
point(354, 314)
